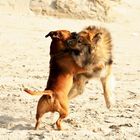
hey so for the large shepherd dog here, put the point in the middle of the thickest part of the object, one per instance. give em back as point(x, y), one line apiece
point(101, 49)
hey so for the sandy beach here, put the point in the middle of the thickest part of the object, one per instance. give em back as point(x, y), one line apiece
point(24, 62)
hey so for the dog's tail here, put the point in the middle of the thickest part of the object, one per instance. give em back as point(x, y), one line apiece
point(48, 93)
point(45, 92)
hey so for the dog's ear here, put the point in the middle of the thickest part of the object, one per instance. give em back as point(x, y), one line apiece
point(59, 34)
point(53, 34)
point(97, 37)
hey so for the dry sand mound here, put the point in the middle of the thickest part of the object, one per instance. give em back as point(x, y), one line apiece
point(96, 9)
point(15, 6)
point(72, 8)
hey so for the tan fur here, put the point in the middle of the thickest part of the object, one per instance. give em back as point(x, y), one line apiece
point(101, 45)
point(102, 50)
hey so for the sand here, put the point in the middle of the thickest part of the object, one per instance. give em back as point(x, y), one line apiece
point(24, 62)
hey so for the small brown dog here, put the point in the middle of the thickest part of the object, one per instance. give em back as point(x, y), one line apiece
point(60, 81)
point(101, 50)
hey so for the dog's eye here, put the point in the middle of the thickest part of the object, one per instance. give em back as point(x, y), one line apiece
point(79, 41)
point(70, 42)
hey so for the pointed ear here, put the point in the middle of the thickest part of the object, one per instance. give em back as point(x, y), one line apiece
point(97, 37)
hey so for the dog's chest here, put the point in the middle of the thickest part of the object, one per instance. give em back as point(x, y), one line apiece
point(96, 74)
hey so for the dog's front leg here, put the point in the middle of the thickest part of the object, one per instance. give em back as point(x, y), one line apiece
point(79, 83)
point(108, 86)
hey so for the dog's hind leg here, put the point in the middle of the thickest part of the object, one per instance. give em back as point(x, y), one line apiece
point(63, 114)
point(59, 121)
point(38, 120)
point(108, 87)
point(42, 108)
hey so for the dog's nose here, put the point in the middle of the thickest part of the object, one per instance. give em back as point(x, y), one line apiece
point(74, 35)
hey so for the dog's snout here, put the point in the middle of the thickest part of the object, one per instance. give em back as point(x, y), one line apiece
point(74, 35)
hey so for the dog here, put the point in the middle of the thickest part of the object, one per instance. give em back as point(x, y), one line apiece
point(101, 50)
point(62, 70)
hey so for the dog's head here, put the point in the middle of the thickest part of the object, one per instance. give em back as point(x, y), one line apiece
point(101, 46)
point(58, 40)
point(94, 38)
point(78, 43)
point(80, 48)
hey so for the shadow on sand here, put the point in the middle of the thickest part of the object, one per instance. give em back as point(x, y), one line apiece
point(12, 123)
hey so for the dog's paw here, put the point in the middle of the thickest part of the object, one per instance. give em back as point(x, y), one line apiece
point(111, 103)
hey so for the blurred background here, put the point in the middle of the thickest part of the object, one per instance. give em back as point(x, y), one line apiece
point(103, 10)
